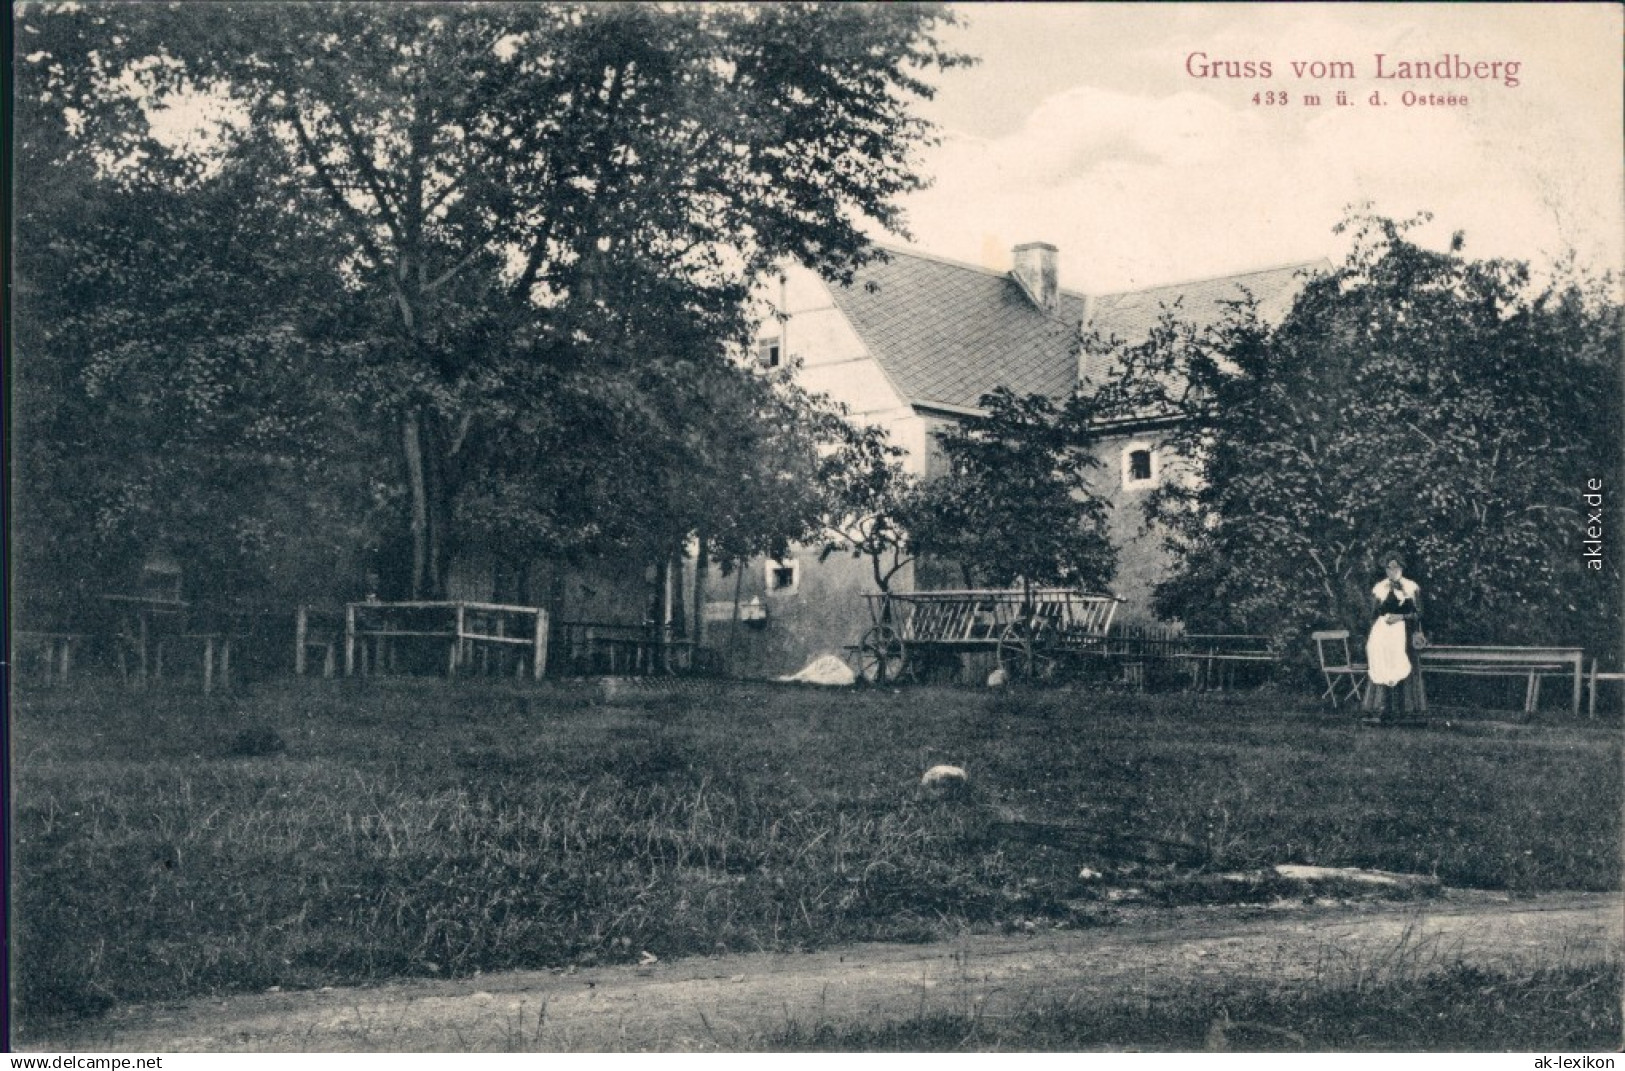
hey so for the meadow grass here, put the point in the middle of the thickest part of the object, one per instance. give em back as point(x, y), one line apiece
point(310, 833)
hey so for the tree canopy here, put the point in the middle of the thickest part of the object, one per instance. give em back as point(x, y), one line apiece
point(1411, 402)
point(868, 500)
point(183, 388)
point(535, 218)
point(1015, 503)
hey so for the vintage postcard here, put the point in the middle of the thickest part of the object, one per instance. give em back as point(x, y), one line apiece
point(815, 527)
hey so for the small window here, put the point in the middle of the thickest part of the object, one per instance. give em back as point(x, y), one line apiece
point(768, 353)
point(783, 577)
point(1139, 465)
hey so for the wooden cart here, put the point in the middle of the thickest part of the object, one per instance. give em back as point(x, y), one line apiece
point(1034, 633)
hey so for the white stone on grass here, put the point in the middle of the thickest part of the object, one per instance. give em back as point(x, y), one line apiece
point(942, 780)
point(830, 670)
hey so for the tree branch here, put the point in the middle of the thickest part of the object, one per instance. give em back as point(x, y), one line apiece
point(377, 184)
point(452, 272)
point(356, 220)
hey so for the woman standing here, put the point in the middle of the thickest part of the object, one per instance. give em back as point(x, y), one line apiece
point(1395, 680)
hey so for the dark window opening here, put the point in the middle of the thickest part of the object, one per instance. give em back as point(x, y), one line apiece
point(767, 351)
point(1139, 465)
point(782, 577)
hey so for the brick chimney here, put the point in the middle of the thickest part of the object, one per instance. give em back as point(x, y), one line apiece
point(1035, 271)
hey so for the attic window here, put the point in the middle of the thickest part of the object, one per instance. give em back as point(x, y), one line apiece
point(767, 352)
point(1139, 465)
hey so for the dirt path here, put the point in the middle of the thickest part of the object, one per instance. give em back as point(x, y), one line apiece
point(722, 1002)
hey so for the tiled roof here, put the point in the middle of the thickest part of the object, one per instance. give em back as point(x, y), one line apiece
point(1131, 315)
point(947, 333)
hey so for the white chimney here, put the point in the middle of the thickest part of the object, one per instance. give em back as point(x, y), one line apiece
point(1035, 271)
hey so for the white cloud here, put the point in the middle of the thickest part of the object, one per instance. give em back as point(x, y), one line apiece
point(1175, 178)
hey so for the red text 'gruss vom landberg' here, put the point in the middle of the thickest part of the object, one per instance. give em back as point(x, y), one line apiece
point(1450, 66)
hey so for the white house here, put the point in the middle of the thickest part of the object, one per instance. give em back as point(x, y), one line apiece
point(912, 344)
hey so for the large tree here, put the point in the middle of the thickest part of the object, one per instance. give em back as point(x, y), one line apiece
point(1412, 402)
point(513, 188)
point(1015, 503)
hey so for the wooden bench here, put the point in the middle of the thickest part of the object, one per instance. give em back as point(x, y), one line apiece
point(142, 621)
point(1531, 663)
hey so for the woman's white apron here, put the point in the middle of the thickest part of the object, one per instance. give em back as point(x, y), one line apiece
point(1386, 656)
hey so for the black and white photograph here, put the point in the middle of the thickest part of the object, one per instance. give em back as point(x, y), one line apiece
point(814, 528)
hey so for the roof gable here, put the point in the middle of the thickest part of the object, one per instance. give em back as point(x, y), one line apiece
point(947, 333)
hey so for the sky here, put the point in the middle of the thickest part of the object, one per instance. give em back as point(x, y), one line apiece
point(1084, 126)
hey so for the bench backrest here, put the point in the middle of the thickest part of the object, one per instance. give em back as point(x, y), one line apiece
point(1504, 655)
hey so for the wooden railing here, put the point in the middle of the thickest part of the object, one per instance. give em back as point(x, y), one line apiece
point(476, 635)
point(593, 648)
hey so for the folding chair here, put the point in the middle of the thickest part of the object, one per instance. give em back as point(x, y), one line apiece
point(1591, 708)
point(1338, 673)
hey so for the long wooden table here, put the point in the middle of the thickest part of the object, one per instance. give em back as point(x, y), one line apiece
point(1214, 657)
point(1530, 662)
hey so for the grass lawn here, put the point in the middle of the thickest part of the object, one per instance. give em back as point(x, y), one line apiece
point(310, 833)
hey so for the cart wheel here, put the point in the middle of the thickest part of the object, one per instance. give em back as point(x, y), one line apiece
point(881, 656)
point(1025, 654)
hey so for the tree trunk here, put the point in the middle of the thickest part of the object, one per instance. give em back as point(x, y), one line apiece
point(417, 487)
point(679, 600)
point(733, 625)
point(437, 486)
point(702, 570)
point(427, 489)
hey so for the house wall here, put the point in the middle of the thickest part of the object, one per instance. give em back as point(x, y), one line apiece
point(781, 631)
point(1141, 559)
point(826, 611)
